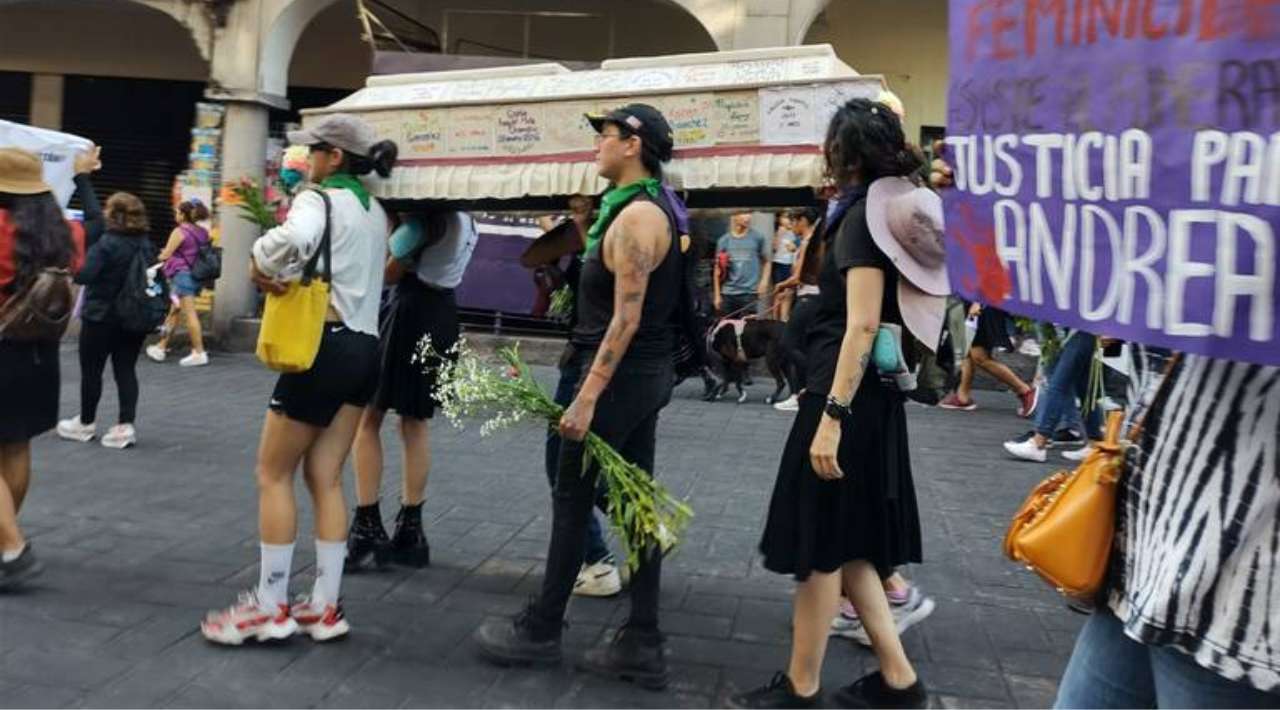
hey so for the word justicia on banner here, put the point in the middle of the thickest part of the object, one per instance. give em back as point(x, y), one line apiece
point(1119, 181)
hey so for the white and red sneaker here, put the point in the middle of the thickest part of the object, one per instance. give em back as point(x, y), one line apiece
point(248, 620)
point(322, 624)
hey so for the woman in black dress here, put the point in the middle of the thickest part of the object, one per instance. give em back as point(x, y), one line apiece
point(844, 502)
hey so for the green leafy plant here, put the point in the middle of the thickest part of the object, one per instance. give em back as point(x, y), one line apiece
point(255, 204)
point(642, 512)
point(561, 307)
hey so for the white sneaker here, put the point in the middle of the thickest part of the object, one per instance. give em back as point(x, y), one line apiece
point(155, 352)
point(249, 619)
point(1026, 450)
point(195, 359)
point(73, 430)
point(320, 623)
point(790, 404)
point(120, 436)
point(915, 609)
point(598, 580)
point(1030, 348)
point(1079, 454)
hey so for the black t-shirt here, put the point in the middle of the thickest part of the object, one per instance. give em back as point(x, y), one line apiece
point(851, 245)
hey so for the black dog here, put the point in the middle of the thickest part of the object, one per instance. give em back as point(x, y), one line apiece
point(735, 343)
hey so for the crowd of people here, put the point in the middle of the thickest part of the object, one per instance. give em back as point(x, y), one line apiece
point(1186, 618)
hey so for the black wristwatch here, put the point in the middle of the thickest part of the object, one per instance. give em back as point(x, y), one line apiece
point(836, 410)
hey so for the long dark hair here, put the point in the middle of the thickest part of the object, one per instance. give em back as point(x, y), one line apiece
point(42, 238)
point(865, 142)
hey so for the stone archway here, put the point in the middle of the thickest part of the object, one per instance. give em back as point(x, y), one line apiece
point(36, 35)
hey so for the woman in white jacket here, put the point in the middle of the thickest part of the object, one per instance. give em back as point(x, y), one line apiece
point(313, 415)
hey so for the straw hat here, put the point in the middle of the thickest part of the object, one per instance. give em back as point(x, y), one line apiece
point(21, 172)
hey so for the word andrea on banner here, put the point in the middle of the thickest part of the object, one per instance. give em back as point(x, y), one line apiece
point(1088, 176)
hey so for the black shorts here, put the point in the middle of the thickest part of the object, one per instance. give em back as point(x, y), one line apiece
point(345, 372)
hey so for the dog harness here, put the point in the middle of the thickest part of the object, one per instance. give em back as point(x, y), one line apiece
point(738, 325)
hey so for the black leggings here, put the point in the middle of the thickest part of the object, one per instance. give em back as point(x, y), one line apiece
point(794, 339)
point(99, 341)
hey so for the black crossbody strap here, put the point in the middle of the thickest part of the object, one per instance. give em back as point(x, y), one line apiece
point(309, 270)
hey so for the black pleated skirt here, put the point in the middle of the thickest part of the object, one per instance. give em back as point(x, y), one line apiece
point(412, 311)
point(870, 514)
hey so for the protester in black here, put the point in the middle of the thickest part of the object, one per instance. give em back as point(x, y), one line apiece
point(844, 502)
point(623, 341)
point(102, 336)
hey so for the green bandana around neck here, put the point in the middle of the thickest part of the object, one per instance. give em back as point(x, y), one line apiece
point(347, 181)
point(613, 200)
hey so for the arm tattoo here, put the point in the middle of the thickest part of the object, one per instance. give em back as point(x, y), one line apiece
point(606, 357)
point(639, 254)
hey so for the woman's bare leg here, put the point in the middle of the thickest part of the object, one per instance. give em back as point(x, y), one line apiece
point(193, 323)
point(814, 606)
point(866, 593)
point(415, 437)
point(369, 456)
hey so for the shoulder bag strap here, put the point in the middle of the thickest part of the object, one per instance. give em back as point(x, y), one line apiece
point(1135, 431)
point(309, 270)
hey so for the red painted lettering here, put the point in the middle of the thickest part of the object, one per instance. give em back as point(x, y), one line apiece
point(1262, 18)
point(1035, 8)
point(1001, 25)
point(1131, 19)
point(1212, 23)
point(1110, 14)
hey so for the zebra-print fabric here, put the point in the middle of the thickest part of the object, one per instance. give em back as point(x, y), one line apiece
point(1197, 563)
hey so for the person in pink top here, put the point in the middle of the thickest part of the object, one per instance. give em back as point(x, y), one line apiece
point(178, 256)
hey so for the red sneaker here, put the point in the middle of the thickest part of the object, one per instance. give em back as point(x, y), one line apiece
point(953, 401)
point(322, 624)
point(248, 620)
point(1027, 402)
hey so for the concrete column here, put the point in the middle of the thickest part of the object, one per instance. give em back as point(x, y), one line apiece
point(46, 101)
point(244, 149)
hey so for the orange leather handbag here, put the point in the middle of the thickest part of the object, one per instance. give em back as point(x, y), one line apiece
point(1064, 529)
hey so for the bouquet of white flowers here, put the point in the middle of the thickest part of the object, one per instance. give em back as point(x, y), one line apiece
point(642, 512)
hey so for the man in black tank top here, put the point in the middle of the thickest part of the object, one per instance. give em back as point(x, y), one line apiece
point(628, 298)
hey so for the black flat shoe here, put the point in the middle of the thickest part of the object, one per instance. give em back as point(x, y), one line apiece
point(18, 572)
point(870, 691)
point(779, 693)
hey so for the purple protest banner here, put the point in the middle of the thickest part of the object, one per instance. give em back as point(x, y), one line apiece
point(1117, 167)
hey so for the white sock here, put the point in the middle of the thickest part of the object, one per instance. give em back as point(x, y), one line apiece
point(11, 555)
point(330, 558)
point(273, 574)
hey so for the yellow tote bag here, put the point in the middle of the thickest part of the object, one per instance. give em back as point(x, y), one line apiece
point(293, 321)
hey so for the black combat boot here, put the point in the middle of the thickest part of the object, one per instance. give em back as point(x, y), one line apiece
point(524, 640)
point(632, 655)
point(368, 546)
point(409, 544)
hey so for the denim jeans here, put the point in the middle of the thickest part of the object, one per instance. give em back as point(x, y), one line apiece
point(626, 417)
point(1110, 670)
point(570, 373)
point(1068, 381)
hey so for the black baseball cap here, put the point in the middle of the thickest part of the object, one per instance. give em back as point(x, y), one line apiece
point(642, 120)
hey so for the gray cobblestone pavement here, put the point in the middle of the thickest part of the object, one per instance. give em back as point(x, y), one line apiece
point(139, 543)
